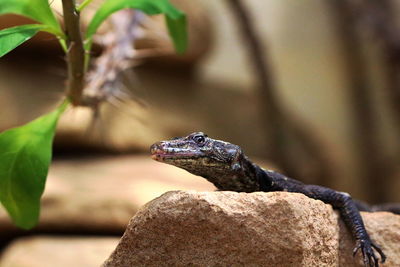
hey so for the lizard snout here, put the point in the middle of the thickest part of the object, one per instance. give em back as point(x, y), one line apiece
point(157, 151)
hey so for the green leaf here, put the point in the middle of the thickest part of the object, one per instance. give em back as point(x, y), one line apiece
point(25, 154)
point(38, 10)
point(10, 38)
point(176, 19)
point(177, 33)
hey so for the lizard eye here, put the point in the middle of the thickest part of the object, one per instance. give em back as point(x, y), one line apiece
point(199, 139)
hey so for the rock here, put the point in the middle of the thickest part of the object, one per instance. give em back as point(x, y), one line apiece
point(187, 228)
point(101, 195)
point(384, 229)
point(45, 251)
point(123, 129)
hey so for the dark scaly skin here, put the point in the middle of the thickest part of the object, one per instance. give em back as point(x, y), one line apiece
point(226, 166)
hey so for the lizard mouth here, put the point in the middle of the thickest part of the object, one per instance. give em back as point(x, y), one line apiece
point(158, 153)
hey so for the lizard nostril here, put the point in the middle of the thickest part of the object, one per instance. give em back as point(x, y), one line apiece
point(154, 148)
point(157, 151)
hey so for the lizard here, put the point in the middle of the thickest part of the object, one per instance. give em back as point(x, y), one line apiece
point(229, 169)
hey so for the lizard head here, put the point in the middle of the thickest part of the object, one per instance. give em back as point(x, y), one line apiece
point(199, 154)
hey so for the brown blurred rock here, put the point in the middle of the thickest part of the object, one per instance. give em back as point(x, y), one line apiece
point(394, 190)
point(238, 229)
point(119, 130)
point(45, 251)
point(175, 108)
point(101, 195)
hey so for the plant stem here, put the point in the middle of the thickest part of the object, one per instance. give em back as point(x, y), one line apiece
point(63, 45)
point(117, 55)
point(83, 5)
point(76, 52)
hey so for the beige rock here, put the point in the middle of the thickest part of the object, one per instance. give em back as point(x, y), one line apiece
point(187, 228)
point(384, 229)
point(229, 229)
point(101, 195)
point(45, 251)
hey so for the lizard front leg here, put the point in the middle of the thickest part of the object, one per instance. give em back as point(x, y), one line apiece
point(352, 218)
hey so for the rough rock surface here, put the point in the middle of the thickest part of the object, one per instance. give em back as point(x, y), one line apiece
point(187, 228)
point(45, 251)
point(101, 195)
point(384, 229)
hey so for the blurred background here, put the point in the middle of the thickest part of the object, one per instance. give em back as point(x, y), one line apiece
point(310, 88)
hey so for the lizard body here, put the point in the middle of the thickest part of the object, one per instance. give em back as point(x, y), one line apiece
point(229, 169)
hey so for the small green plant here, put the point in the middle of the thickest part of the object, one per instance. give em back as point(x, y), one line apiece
point(25, 151)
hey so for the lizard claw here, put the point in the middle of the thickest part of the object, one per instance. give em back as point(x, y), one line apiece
point(369, 257)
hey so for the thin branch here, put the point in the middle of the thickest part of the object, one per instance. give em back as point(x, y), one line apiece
point(118, 54)
point(271, 109)
point(279, 125)
point(76, 52)
point(366, 129)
